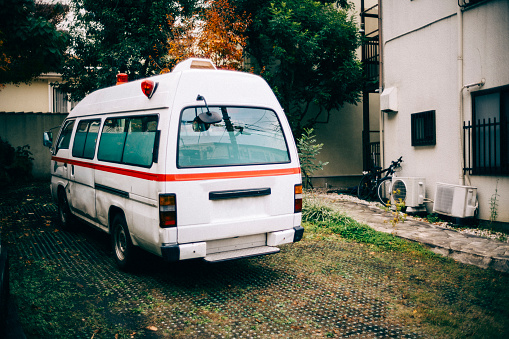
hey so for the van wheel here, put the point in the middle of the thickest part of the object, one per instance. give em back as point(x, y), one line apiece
point(65, 217)
point(123, 248)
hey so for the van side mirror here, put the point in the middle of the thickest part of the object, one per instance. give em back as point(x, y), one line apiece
point(47, 139)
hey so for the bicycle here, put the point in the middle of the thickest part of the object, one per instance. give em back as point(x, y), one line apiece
point(373, 184)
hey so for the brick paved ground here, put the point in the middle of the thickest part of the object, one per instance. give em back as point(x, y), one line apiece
point(318, 287)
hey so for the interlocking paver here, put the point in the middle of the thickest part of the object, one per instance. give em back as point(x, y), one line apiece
point(265, 297)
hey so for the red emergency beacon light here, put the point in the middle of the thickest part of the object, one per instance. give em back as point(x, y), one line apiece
point(148, 87)
point(122, 78)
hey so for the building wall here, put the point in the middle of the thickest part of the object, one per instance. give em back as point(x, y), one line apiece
point(420, 46)
point(20, 126)
point(35, 96)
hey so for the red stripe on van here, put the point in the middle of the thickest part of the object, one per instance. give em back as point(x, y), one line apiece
point(179, 177)
point(230, 175)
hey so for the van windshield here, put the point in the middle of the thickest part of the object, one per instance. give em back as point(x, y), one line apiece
point(244, 136)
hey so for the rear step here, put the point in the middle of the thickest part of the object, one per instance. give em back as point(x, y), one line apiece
point(243, 253)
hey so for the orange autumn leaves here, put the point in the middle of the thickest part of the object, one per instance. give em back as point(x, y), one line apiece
point(218, 34)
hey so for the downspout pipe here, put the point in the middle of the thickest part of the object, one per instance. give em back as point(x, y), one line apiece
point(460, 97)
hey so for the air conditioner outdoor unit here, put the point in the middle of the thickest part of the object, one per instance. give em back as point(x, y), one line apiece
point(455, 201)
point(410, 190)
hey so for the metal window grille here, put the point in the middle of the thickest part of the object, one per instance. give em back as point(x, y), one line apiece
point(423, 128)
point(486, 138)
point(484, 147)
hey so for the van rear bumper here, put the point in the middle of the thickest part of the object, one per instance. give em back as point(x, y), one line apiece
point(176, 252)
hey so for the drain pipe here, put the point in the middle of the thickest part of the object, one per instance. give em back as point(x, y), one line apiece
point(460, 99)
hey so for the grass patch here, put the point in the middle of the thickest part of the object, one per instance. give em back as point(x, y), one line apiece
point(322, 218)
point(53, 306)
point(447, 298)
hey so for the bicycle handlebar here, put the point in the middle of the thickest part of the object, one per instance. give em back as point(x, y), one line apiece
point(397, 162)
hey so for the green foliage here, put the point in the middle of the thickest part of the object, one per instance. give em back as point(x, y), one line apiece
point(109, 37)
point(432, 218)
point(321, 218)
point(15, 164)
point(31, 43)
point(306, 51)
point(494, 204)
point(308, 151)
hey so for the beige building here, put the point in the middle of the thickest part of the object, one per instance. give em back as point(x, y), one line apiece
point(26, 111)
point(445, 95)
point(351, 137)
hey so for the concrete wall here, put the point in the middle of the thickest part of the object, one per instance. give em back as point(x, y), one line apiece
point(420, 41)
point(26, 129)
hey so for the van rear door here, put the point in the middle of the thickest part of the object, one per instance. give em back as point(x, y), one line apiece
point(235, 177)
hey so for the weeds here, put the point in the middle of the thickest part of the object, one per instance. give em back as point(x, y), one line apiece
point(451, 300)
point(494, 204)
point(322, 218)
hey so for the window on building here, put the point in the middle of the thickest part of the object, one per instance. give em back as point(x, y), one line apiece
point(60, 103)
point(423, 128)
point(489, 131)
point(85, 139)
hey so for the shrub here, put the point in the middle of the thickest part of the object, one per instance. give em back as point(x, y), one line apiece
point(308, 151)
point(15, 164)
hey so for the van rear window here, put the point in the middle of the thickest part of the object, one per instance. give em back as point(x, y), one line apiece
point(230, 136)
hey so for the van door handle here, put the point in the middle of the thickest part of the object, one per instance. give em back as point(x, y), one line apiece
point(256, 192)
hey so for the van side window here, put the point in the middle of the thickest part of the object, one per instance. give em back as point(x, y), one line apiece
point(85, 139)
point(65, 136)
point(139, 144)
point(128, 140)
point(112, 141)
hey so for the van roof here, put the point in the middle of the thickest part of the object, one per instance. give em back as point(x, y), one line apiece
point(180, 88)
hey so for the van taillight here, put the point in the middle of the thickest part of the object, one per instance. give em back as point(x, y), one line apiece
point(167, 210)
point(298, 199)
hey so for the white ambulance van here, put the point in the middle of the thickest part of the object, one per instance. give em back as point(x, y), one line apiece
point(196, 163)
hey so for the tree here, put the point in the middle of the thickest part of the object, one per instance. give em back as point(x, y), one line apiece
point(306, 51)
point(30, 43)
point(111, 36)
point(216, 32)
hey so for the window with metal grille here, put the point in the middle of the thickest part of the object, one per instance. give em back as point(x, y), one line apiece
point(423, 128)
point(487, 137)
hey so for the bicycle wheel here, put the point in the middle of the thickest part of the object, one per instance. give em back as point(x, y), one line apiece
point(384, 191)
point(366, 187)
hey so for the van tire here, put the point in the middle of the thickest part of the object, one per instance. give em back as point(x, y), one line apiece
point(65, 217)
point(123, 248)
